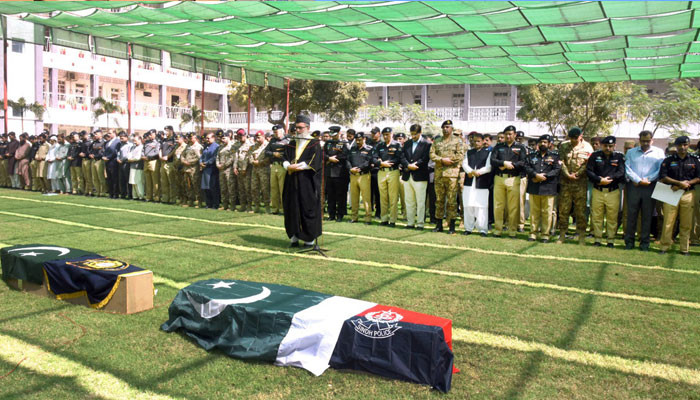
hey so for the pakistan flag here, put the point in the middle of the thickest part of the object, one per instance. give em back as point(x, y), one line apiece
point(282, 324)
point(26, 262)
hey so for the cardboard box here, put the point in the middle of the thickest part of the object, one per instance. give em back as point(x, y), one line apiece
point(134, 294)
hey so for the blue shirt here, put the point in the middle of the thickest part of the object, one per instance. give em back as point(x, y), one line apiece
point(640, 165)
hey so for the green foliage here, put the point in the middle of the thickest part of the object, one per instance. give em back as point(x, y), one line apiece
point(193, 115)
point(593, 106)
point(403, 114)
point(337, 102)
point(672, 110)
point(22, 106)
point(104, 107)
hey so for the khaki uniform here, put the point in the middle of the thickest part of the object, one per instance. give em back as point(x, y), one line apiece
point(39, 168)
point(178, 174)
point(684, 212)
point(224, 162)
point(573, 192)
point(260, 177)
point(4, 177)
point(447, 177)
point(243, 174)
point(191, 173)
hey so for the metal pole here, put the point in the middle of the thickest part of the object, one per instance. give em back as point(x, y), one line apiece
point(4, 75)
point(129, 83)
point(286, 123)
point(249, 96)
point(201, 128)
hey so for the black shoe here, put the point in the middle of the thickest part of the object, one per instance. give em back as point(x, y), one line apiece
point(392, 224)
point(419, 228)
point(352, 221)
point(644, 248)
point(484, 234)
point(452, 227)
point(521, 230)
point(294, 244)
point(611, 245)
point(368, 223)
point(466, 233)
point(530, 239)
point(408, 227)
point(545, 240)
point(662, 251)
point(339, 219)
point(384, 223)
point(684, 253)
point(438, 226)
point(597, 244)
point(629, 246)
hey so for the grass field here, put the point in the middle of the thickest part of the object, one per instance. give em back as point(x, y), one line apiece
point(530, 320)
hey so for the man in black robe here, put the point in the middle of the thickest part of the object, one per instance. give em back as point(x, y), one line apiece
point(303, 161)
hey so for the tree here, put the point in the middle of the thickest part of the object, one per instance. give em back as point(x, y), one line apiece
point(192, 115)
point(396, 112)
point(337, 102)
point(592, 106)
point(22, 106)
point(104, 107)
point(374, 115)
point(672, 110)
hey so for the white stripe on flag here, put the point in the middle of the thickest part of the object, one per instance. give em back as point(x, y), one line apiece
point(311, 339)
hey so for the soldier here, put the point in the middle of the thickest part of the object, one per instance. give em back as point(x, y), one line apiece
point(76, 163)
point(224, 162)
point(507, 160)
point(415, 177)
point(359, 164)
point(543, 169)
point(85, 148)
point(573, 154)
point(4, 177)
point(447, 153)
point(336, 175)
point(190, 168)
point(388, 155)
point(275, 153)
point(168, 186)
point(151, 169)
point(606, 170)
point(178, 174)
point(682, 172)
point(259, 168)
point(98, 164)
point(241, 169)
point(372, 141)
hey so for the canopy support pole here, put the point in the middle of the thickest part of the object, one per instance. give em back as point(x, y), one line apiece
point(129, 84)
point(4, 73)
point(249, 96)
point(286, 123)
point(201, 125)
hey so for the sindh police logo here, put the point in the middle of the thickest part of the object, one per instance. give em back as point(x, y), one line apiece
point(379, 325)
point(102, 264)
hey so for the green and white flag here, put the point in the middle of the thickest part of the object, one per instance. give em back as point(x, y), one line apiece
point(26, 262)
point(282, 324)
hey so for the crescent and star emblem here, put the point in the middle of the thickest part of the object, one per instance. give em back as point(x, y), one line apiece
point(214, 307)
point(62, 251)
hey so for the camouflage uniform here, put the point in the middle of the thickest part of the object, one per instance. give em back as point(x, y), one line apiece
point(224, 162)
point(243, 174)
point(259, 177)
point(447, 178)
point(179, 176)
point(191, 172)
point(573, 161)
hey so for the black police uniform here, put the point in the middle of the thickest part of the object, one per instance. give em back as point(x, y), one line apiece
point(337, 177)
point(547, 164)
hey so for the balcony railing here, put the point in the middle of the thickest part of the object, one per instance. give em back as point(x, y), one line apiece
point(488, 113)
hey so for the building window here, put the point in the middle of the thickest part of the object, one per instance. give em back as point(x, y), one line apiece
point(115, 94)
point(175, 101)
point(457, 99)
point(417, 99)
point(62, 87)
point(500, 99)
point(80, 92)
point(146, 94)
point(17, 47)
point(16, 112)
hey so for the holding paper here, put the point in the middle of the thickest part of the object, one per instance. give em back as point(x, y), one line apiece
point(665, 193)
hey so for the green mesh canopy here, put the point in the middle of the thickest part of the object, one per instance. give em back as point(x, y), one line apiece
point(481, 42)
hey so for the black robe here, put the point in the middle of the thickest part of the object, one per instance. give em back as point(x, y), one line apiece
point(301, 197)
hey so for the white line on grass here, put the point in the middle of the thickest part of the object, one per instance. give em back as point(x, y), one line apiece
point(476, 277)
point(99, 384)
point(373, 238)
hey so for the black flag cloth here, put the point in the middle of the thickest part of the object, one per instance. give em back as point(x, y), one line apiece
point(302, 190)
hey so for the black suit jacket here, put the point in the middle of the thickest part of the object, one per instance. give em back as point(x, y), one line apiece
point(421, 156)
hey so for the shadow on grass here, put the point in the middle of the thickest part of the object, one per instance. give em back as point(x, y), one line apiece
point(532, 367)
point(34, 313)
point(69, 386)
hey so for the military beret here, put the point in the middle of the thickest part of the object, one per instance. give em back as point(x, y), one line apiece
point(276, 127)
point(545, 137)
point(350, 131)
point(400, 135)
point(230, 132)
point(574, 132)
point(509, 128)
point(316, 133)
point(681, 140)
point(259, 133)
point(609, 140)
point(519, 134)
point(240, 132)
point(360, 134)
point(375, 130)
point(446, 123)
point(227, 133)
point(303, 119)
point(219, 132)
point(387, 130)
point(334, 128)
point(168, 127)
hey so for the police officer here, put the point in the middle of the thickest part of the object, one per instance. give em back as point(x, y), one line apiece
point(76, 163)
point(574, 155)
point(373, 140)
point(224, 162)
point(274, 153)
point(542, 169)
point(520, 138)
point(168, 185)
point(388, 155)
point(359, 164)
point(85, 148)
point(337, 175)
point(606, 170)
point(97, 152)
point(682, 172)
point(507, 161)
point(447, 152)
point(151, 152)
